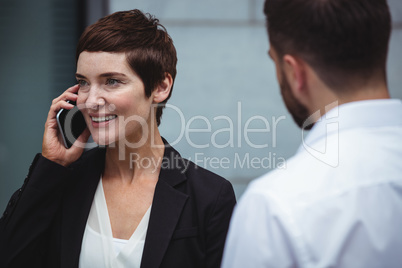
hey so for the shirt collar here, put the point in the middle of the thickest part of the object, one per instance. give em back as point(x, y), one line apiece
point(352, 115)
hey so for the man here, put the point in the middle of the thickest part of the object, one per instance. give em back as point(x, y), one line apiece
point(339, 201)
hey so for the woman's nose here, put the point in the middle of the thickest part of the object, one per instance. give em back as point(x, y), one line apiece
point(95, 99)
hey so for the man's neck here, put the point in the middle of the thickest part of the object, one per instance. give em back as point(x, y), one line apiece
point(326, 98)
point(366, 94)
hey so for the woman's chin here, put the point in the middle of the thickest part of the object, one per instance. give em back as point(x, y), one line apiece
point(103, 142)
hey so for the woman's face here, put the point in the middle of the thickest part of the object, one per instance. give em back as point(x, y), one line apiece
point(112, 98)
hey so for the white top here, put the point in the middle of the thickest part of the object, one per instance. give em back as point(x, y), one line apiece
point(338, 201)
point(100, 249)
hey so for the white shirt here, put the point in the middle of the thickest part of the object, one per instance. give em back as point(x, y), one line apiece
point(100, 249)
point(337, 202)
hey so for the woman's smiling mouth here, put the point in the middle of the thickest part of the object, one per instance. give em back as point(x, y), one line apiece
point(100, 119)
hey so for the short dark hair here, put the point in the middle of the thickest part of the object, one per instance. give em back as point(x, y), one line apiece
point(149, 48)
point(340, 39)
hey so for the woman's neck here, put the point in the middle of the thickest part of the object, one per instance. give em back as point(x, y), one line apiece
point(134, 163)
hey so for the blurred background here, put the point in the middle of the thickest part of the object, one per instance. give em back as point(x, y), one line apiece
point(226, 112)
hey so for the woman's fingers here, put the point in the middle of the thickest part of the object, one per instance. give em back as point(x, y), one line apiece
point(56, 107)
point(53, 146)
point(61, 101)
point(69, 94)
point(73, 89)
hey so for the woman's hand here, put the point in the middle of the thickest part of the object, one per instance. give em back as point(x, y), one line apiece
point(53, 146)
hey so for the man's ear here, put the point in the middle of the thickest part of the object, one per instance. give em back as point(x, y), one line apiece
point(162, 91)
point(295, 71)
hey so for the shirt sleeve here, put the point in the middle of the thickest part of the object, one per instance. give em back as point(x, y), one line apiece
point(257, 235)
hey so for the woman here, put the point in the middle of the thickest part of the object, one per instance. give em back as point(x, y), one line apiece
point(132, 201)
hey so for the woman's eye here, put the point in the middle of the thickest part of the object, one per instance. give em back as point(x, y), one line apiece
point(112, 82)
point(82, 83)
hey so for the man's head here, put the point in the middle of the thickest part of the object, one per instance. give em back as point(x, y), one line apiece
point(345, 42)
point(149, 49)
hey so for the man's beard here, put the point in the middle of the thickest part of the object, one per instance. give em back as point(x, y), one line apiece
point(298, 111)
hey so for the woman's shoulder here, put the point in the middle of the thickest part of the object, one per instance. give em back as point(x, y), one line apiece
point(201, 174)
point(197, 177)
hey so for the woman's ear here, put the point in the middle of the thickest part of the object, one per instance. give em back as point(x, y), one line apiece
point(162, 91)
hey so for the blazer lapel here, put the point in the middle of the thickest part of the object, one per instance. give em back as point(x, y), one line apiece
point(76, 207)
point(166, 209)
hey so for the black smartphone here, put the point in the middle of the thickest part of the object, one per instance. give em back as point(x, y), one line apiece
point(71, 124)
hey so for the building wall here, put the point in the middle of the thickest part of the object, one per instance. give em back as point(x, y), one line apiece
point(37, 51)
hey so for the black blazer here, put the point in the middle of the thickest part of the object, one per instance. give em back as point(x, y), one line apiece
point(44, 222)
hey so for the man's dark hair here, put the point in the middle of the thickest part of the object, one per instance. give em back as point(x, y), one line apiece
point(149, 49)
point(341, 39)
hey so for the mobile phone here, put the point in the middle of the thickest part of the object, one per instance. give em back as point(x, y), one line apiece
point(71, 124)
